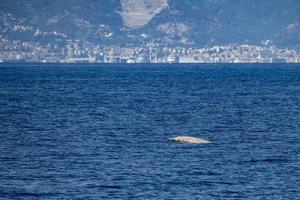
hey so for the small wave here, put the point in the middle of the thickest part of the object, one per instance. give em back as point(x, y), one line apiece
point(268, 160)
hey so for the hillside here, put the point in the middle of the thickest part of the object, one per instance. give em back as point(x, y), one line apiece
point(172, 22)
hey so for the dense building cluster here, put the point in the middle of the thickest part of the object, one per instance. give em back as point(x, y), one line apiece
point(53, 46)
point(77, 51)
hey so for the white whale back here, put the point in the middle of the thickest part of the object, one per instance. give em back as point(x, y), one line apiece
point(188, 139)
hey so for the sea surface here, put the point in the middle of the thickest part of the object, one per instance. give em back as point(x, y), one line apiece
point(102, 131)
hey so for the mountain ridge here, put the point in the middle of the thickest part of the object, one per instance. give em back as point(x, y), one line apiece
point(179, 23)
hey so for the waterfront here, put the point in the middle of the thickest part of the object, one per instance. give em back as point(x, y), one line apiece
point(101, 132)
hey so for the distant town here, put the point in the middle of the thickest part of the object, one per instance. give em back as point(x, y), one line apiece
point(83, 52)
point(59, 48)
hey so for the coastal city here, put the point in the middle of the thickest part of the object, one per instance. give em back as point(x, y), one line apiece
point(83, 52)
point(32, 44)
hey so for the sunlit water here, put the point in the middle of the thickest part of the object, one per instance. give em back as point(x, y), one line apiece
point(101, 132)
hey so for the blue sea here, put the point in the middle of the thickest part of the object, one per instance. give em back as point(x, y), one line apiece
point(102, 131)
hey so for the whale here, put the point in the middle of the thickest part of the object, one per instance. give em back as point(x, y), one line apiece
point(188, 139)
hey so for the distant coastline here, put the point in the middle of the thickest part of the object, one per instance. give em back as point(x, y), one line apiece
point(79, 52)
point(3, 64)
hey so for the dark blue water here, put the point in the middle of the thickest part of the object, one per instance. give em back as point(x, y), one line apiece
point(101, 132)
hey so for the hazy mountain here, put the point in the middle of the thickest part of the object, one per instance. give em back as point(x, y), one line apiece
point(172, 22)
